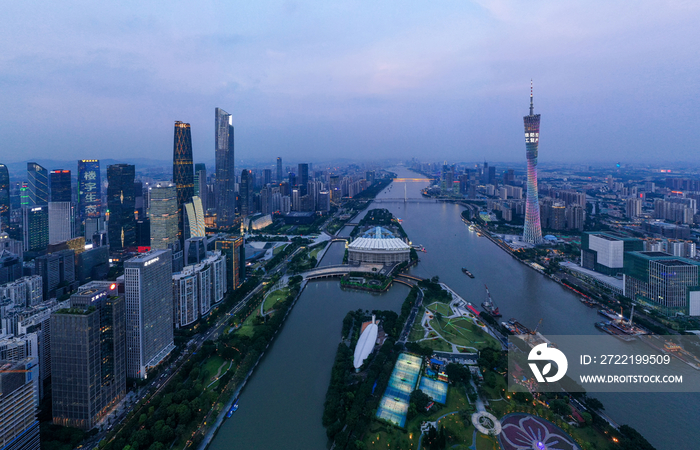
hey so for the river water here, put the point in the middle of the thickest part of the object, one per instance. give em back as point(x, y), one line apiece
point(282, 405)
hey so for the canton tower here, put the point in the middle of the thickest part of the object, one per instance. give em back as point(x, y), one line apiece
point(533, 230)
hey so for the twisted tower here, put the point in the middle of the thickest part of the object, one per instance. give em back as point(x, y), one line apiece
point(533, 228)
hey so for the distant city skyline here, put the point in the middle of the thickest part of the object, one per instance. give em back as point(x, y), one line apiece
point(306, 81)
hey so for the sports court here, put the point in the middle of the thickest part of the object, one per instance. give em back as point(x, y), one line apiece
point(436, 389)
point(394, 405)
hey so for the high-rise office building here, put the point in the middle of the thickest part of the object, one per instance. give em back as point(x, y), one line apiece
point(533, 228)
point(149, 311)
point(245, 193)
point(234, 251)
point(267, 176)
point(303, 178)
point(280, 177)
point(225, 171)
point(121, 204)
point(4, 197)
point(19, 428)
point(35, 228)
point(38, 184)
point(183, 172)
point(55, 269)
point(89, 188)
point(88, 357)
point(200, 181)
point(163, 215)
point(194, 216)
point(60, 222)
point(60, 186)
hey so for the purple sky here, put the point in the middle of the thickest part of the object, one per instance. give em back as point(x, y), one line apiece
point(434, 80)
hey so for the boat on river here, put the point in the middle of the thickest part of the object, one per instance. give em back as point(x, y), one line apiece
point(233, 409)
point(468, 273)
point(489, 306)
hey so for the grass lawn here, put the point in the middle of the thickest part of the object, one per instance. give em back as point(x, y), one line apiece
point(463, 332)
point(212, 366)
point(486, 443)
point(417, 331)
point(441, 308)
point(271, 299)
point(248, 326)
point(437, 344)
point(314, 253)
point(278, 249)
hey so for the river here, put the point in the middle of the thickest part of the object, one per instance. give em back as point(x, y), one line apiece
point(282, 404)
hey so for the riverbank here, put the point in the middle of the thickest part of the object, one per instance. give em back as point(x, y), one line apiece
point(209, 436)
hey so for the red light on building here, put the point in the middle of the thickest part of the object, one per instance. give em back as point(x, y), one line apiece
point(112, 286)
point(143, 249)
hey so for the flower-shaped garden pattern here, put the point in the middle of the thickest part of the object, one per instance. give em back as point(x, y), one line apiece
point(526, 432)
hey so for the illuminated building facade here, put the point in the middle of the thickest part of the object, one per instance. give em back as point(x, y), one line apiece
point(533, 228)
point(225, 170)
point(183, 172)
point(60, 185)
point(4, 197)
point(89, 188)
point(163, 215)
point(121, 205)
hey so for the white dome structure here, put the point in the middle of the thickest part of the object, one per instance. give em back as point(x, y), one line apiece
point(365, 344)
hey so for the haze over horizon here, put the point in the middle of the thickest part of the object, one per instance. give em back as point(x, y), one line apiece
point(358, 81)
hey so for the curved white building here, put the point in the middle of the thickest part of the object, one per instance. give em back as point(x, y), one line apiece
point(365, 344)
point(379, 246)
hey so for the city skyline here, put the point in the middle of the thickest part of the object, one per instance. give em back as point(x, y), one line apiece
point(439, 77)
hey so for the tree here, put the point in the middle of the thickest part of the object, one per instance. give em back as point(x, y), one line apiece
point(595, 404)
point(560, 407)
point(420, 399)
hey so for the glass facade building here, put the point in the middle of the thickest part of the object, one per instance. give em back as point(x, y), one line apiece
point(60, 186)
point(4, 197)
point(38, 184)
point(234, 251)
point(149, 311)
point(89, 188)
point(35, 228)
point(163, 215)
point(88, 358)
point(225, 171)
point(121, 204)
point(183, 172)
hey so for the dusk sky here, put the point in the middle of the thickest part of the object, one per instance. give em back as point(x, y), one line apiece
point(322, 80)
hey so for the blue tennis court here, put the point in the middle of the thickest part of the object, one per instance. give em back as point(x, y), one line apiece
point(394, 405)
point(437, 390)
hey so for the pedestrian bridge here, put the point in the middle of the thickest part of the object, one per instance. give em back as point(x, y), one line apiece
point(340, 270)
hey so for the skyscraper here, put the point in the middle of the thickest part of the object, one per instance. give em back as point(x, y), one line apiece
point(35, 228)
point(89, 188)
point(163, 215)
point(194, 215)
point(60, 185)
point(121, 203)
point(225, 170)
point(234, 251)
point(60, 222)
point(38, 184)
point(280, 178)
point(88, 357)
point(19, 428)
point(246, 191)
point(4, 197)
point(149, 311)
point(267, 176)
point(533, 228)
point(200, 179)
point(183, 172)
point(303, 178)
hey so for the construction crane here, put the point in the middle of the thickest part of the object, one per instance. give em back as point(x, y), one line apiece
point(537, 327)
